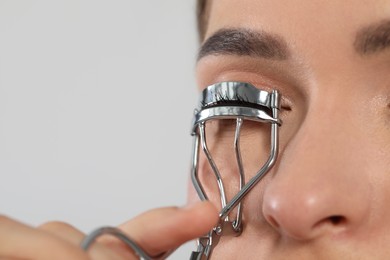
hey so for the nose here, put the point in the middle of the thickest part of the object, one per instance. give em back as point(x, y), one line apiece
point(320, 186)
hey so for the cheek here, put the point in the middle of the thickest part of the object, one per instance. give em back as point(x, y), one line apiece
point(192, 196)
point(379, 171)
point(377, 153)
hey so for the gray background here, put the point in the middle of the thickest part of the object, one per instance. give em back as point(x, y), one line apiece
point(96, 99)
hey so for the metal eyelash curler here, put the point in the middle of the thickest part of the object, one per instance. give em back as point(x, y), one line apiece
point(91, 238)
point(239, 101)
point(226, 100)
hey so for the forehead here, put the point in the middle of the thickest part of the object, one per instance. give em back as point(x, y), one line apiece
point(319, 34)
point(295, 19)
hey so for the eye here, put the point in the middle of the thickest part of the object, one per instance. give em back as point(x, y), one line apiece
point(285, 107)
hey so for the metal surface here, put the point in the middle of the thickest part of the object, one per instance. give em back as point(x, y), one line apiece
point(91, 238)
point(234, 91)
point(240, 101)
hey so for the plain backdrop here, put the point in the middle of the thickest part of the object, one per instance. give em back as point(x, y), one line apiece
point(96, 100)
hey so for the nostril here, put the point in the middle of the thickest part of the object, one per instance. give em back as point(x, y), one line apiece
point(337, 220)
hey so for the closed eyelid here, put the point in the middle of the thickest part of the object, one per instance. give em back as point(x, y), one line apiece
point(267, 78)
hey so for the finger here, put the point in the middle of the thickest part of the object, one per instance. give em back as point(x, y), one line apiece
point(21, 241)
point(161, 230)
point(75, 237)
point(63, 230)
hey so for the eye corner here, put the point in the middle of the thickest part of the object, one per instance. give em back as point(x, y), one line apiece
point(286, 104)
point(286, 108)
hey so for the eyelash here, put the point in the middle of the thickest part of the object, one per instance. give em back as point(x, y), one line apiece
point(224, 100)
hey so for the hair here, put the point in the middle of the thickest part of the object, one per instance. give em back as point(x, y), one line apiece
point(202, 17)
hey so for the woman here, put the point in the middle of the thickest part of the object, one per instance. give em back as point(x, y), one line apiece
point(327, 196)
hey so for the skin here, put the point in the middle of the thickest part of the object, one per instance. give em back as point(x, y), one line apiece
point(327, 196)
point(58, 240)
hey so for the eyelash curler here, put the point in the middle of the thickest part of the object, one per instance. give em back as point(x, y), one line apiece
point(225, 100)
point(239, 101)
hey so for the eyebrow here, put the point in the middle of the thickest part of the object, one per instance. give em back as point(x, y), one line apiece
point(244, 42)
point(373, 38)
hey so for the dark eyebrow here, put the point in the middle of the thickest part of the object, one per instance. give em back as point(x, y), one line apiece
point(244, 42)
point(373, 38)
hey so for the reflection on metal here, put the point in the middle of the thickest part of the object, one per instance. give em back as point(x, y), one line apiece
point(239, 101)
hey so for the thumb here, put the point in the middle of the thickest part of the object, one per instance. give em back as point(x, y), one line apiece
point(160, 230)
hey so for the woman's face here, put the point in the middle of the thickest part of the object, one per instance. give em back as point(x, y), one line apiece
point(328, 195)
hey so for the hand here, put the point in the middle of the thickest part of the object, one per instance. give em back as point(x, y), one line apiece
point(156, 231)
